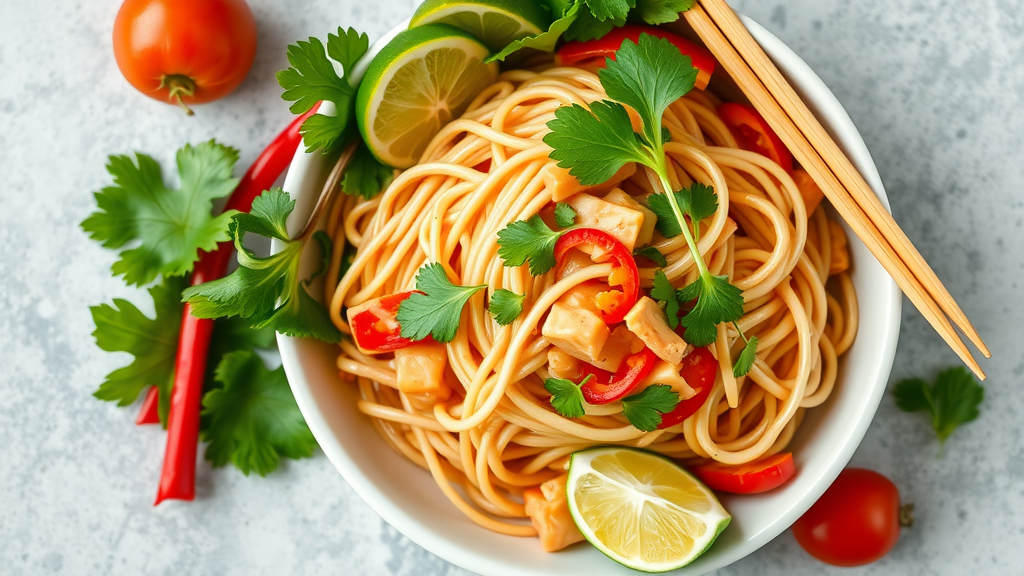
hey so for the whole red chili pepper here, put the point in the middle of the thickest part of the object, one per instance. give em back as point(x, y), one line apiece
point(177, 480)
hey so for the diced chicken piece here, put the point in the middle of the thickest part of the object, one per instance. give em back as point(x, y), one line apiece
point(620, 344)
point(548, 510)
point(573, 261)
point(577, 331)
point(562, 365)
point(647, 320)
point(840, 249)
point(665, 373)
point(562, 184)
point(584, 296)
point(420, 370)
point(620, 221)
point(646, 234)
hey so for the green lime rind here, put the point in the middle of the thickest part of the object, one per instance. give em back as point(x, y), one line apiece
point(495, 22)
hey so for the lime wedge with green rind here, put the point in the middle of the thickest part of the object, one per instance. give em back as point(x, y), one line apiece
point(496, 22)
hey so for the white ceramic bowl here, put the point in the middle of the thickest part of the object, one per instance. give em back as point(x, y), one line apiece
point(407, 498)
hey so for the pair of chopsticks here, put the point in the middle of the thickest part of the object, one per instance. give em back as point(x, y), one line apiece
point(772, 96)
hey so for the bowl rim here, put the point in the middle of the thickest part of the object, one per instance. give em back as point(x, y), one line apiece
point(302, 171)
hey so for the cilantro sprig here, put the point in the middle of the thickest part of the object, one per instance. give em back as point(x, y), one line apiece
point(565, 215)
point(566, 397)
point(594, 144)
point(438, 310)
point(644, 409)
point(267, 291)
point(505, 306)
point(528, 241)
point(950, 401)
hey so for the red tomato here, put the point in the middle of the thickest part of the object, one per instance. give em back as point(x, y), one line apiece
point(750, 478)
point(753, 133)
point(699, 370)
point(184, 51)
point(375, 326)
point(856, 521)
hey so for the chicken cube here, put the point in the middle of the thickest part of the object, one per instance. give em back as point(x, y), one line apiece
point(420, 370)
point(548, 509)
point(665, 373)
point(577, 331)
point(563, 185)
point(620, 344)
point(647, 320)
point(622, 222)
point(562, 365)
point(646, 234)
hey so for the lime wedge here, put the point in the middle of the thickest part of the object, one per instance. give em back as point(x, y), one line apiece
point(641, 509)
point(421, 80)
point(496, 22)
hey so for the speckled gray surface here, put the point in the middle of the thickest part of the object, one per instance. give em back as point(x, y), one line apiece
point(936, 87)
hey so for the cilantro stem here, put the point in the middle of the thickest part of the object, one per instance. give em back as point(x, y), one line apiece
point(742, 335)
point(662, 171)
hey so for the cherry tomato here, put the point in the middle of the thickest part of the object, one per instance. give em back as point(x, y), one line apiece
point(856, 521)
point(184, 51)
point(375, 327)
point(750, 478)
point(753, 133)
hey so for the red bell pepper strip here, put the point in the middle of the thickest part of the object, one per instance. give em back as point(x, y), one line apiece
point(754, 134)
point(150, 411)
point(577, 51)
point(177, 480)
point(375, 325)
point(603, 387)
point(624, 273)
point(750, 478)
point(699, 370)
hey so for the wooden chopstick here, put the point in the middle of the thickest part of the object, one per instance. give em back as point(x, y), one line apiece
point(726, 20)
point(819, 170)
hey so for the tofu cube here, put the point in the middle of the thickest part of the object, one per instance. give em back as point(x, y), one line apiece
point(647, 320)
point(620, 221)
point(548, 510)
point(620, 198)
point(577, 331)
point(420, 370)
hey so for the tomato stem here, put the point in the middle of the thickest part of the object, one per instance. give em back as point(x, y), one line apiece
point(179, 85)
point(907, 515)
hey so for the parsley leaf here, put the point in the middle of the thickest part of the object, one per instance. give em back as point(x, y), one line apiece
point(594, 144)
point(644, 410)
point(153, 342)
point(662, 11)
point(253, 419)
point(652, 254)
point(717, 301)
point(663, 291)
point(545, 41)
point(171, 226)
point(746, 358)
point(312, 77)
point(506, 306)
point(438, 311)
point(951, 401)
point(566, 397)
point(256, 287)
point(565, 215)
point(699, 201)
point(531, 240)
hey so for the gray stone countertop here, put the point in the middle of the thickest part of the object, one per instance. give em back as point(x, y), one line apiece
point(936, 88)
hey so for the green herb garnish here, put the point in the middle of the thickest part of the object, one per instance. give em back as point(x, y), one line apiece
point(438, 311)
point(952, 400)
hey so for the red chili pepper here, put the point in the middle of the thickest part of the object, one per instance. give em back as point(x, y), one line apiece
point(177, 480)
point(750, 478)
point(699, 370)
point(603, 387)
point(150, 411)
point(606, 46)
point(624, 274)
point(753, 133)
point(375, 325)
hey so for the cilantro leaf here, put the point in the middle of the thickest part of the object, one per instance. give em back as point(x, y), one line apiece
point(664, 291)
point(531, 240)
point(506, 306)
point(648, 76)
point(652, 254)
point(717, 301)
point(699, 201)
point(545, 41)
point(171, 226)
point(565, 215)
point(566, 397)
point(662, 11)
point(610, 9)
point(746, 359)
point(644, 410)
point(312, 77)
point(951, 401)
point(587, 26)
point(594, 144)
point(268, 290)
point(253, 419)
point(153, 342)
point(438, 311)
point(365, 175)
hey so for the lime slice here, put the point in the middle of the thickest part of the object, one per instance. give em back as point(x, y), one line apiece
point(496, 22)
point(421, 80)
point(641, 509)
